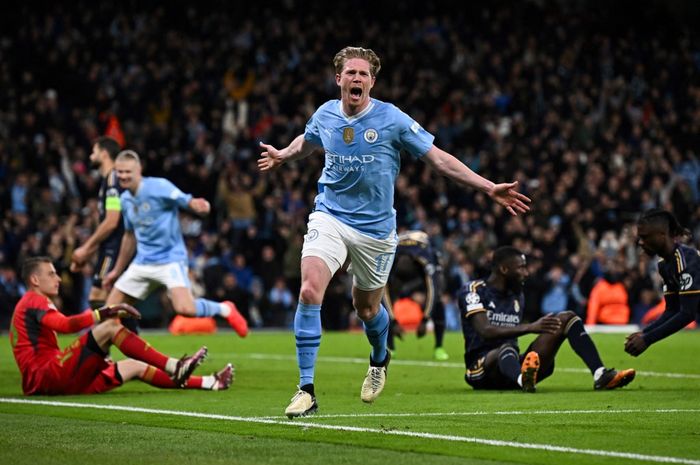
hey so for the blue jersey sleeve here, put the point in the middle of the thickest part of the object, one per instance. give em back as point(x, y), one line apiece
point(173, 194)
point(416, 140)
point(312, 132)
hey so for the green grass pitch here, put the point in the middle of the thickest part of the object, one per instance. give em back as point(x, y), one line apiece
point(426, 414)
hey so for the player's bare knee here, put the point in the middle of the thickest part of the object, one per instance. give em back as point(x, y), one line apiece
point(184, 308)
point(110, 326)
point(131, 369)
point(309, 294)
point(365, 312)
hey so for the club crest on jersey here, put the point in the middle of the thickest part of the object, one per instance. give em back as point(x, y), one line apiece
point(686, 281)
point(348, 135)
point(312, 235)
point(371, 136)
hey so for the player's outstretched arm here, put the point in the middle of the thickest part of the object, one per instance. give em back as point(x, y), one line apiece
point(272, 158)
point(505, 194)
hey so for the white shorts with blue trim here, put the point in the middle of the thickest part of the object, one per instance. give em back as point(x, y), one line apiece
point(139, 281)
point(333, 241)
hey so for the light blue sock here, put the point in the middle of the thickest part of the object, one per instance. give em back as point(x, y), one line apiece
point(377, 331)
point(307, 330)
point(206, 307)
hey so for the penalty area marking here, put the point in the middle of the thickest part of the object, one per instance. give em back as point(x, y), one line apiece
point(424, 363)
point(355, 429)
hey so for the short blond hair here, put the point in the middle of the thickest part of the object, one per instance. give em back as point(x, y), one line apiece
point(349, 53)
point(128, 155)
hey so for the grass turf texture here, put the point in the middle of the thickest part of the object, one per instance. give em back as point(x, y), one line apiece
point(421, 397)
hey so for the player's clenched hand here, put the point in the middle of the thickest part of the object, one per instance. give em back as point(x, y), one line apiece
point(548, 324)
point(507, 195)
point(116, 311)
point(635, 344)
point(109, 279)
point(270, 158)
point(200, 205)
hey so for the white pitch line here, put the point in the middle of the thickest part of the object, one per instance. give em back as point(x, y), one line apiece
point(423, 363)
point(508, 413)
point(389, 432)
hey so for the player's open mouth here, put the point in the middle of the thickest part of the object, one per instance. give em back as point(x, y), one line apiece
point(356, 93)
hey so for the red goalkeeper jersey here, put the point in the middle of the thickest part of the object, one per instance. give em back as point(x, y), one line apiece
point(33, 333)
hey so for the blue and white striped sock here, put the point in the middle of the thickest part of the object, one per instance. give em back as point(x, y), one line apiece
point(204, 307)
point(377, 331)
point(307, 331)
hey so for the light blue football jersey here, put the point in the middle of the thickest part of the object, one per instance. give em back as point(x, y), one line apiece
point(152, 214)
point(363, 161)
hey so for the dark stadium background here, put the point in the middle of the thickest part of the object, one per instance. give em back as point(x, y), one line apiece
point(593, 106)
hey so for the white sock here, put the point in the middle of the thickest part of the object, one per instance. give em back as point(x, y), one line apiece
point(225, 310)
point(520, 380)
point(171, 365)
point(598, 373)
point(208, 382)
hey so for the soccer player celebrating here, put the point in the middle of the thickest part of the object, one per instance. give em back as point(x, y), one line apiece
point(679, 267)
point(491, 313)
point(82, 368)
point(417, 272)
point(152, 231)
point(354, 216)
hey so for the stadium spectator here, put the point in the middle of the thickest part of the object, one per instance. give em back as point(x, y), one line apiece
point(492, 312)
point(608, 301)
point(595, 115)
point(83, 368)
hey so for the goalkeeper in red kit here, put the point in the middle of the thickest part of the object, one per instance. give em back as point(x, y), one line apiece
point(82, 368)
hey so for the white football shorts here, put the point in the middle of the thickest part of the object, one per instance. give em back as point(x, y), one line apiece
point(333, 241)
point(139, 281)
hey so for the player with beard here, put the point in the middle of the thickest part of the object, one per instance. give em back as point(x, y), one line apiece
point(491, 323)
point(106, 239)
point(658, 233)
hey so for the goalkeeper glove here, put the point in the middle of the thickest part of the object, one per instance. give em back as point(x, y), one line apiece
point(116, 311)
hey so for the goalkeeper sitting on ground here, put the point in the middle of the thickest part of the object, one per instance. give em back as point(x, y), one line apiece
point(82, 368)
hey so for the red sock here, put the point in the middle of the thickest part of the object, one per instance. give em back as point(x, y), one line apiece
point(160, 379)
point(134, 347)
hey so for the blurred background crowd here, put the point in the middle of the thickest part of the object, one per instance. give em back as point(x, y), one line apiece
point(593, 106)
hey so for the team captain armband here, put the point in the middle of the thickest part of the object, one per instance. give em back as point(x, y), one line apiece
point(113, 203)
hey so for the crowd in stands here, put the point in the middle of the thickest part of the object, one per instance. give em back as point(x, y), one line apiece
point(596, 114)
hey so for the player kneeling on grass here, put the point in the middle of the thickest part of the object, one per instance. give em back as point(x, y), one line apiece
point(491, 312)
point(82, 368)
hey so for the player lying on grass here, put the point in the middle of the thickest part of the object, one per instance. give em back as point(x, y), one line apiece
point(679, 266)
point(82, 367)
point(491, 312)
